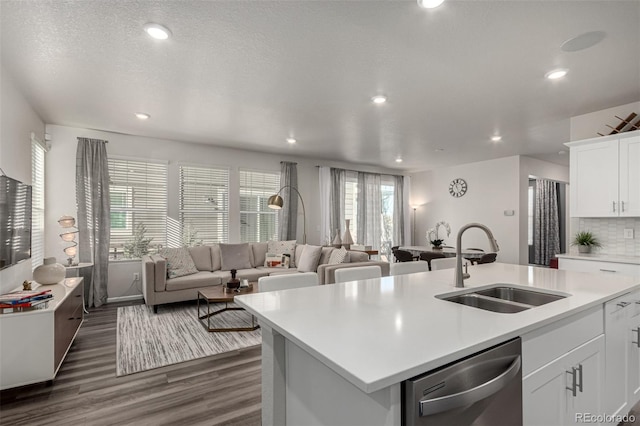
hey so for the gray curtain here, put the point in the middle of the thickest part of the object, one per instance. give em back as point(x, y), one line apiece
point(336, 201)
point(370, 227)
point(546, 243)
point(94, 214)
point(398, 211)
point(288, 221)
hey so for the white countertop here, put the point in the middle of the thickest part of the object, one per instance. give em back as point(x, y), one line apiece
point(378, 332)
point(601, 257)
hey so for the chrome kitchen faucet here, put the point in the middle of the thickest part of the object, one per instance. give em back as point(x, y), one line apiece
point(461, 276)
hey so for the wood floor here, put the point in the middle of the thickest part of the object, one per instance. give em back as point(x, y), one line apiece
point(218, 390)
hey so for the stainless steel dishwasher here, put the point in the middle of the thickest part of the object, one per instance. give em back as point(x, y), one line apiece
point(482, 389)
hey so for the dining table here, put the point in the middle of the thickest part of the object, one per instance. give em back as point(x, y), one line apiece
point(446, 251)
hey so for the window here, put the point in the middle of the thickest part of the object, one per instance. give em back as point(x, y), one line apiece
point(351, 203)
point(531, 205)
point(257, 221)
point(37, 202)
point(138, 191)
point(204, 205)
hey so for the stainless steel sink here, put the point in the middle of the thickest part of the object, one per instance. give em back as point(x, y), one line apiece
point(527, 297)
point(486, 303)
point(502, 298)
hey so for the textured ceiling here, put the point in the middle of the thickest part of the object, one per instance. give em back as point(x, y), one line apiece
point(248, 74)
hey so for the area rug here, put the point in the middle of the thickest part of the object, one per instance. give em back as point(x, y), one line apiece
point(146, 340)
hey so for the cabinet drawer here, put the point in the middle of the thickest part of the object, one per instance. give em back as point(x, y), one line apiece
point(597, 266)
point(542, 346)
point(67, 319)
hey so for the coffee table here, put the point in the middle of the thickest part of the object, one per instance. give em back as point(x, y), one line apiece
point(218, 294)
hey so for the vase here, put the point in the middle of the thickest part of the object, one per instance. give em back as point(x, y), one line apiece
point(584, 249)
point(347, 239)
point(337, 242)
point(49, 272)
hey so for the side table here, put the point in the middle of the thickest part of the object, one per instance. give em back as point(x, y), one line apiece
point(84, 270)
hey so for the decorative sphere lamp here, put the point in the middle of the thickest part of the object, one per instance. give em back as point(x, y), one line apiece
point(68, 222)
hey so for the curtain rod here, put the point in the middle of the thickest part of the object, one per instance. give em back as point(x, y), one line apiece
point(91, 139)
point(360, 171)
point(290, 162)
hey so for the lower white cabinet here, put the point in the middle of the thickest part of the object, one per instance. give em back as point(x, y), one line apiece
point(565, 390)
point(633, 345)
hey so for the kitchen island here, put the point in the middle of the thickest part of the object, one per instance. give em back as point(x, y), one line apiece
point(337, 354)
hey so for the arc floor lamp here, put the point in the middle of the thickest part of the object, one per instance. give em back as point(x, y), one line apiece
point(276, 202)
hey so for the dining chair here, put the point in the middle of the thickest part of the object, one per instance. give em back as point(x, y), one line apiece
point(429, 256)
point(486, 258)
point(404, 256)
point(473, 259)
point(446, 263)
point(287, 281)
point(357, 273)
point(408, 267)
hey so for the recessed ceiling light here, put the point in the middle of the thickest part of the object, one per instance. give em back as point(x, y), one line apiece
point(556, 74)
point(562, 152)
point(291, 140)
point(430, 4)
point(379, 99)
point(157, 31)
point(439, 149)
point(398, 160)
point(142, 115)
point(496, 138)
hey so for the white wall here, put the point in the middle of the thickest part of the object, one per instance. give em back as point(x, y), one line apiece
point(60, 176)
point(17, 121)
point(492, 189)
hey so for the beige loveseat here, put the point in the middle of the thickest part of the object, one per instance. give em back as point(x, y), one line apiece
point(158, 289)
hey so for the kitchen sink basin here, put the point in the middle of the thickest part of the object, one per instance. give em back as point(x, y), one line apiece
point(527, 297)
point(486, 303)
point(502, 298)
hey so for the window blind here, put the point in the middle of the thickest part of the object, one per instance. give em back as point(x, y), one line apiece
point(138, 191)
point(37, 204)
point(351, 204)
point(257, 221)
point(204, 205)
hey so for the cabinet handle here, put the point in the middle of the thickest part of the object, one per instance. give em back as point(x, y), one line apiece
point(614, 206)
point(580, 377)
point(622, 205)
point(637, 342)
point(623, 304)
point(607, 270)
point(574, 381)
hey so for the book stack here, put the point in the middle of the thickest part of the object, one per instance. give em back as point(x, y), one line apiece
point(24, 298)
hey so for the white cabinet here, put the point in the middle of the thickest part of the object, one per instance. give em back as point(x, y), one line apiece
point(622, 350)
point(605, 176)
point(587, 265)
point(559, 392)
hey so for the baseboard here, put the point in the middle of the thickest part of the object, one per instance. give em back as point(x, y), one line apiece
point(125, 298)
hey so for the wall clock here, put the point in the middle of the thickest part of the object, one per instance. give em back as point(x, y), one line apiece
point(457, 187)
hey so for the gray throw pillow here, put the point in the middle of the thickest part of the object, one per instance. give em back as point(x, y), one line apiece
point(309, 259)
point(179, 262)
point(235, 256)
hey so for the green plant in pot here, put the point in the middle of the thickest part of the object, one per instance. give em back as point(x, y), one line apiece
point(585, 240)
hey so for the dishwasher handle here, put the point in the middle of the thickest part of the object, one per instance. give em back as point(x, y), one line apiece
point(449, 402)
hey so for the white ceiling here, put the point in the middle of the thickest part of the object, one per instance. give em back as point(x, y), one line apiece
point(248, 74)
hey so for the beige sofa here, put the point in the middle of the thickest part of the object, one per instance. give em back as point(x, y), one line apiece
point(158, 289)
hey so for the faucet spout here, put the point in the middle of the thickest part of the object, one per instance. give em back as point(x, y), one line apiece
point(461, 276)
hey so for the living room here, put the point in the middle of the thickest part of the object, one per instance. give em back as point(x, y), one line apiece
point(345, 132)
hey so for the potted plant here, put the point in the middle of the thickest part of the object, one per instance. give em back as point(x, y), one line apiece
point(434, 238)
point(585, 240)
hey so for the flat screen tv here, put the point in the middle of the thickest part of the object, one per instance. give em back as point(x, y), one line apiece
point(15, 221)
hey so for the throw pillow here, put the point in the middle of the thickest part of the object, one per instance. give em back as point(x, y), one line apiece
point(308, 262)
point(235, 256)
point(201, 256)
point(340, 255)
point(179, 262)
point(283, 247)
point(276, 260)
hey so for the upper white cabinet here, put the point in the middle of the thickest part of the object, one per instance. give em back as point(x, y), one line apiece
point(605, 176)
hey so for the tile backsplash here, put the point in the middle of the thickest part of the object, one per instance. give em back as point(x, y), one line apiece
point(610, 233)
